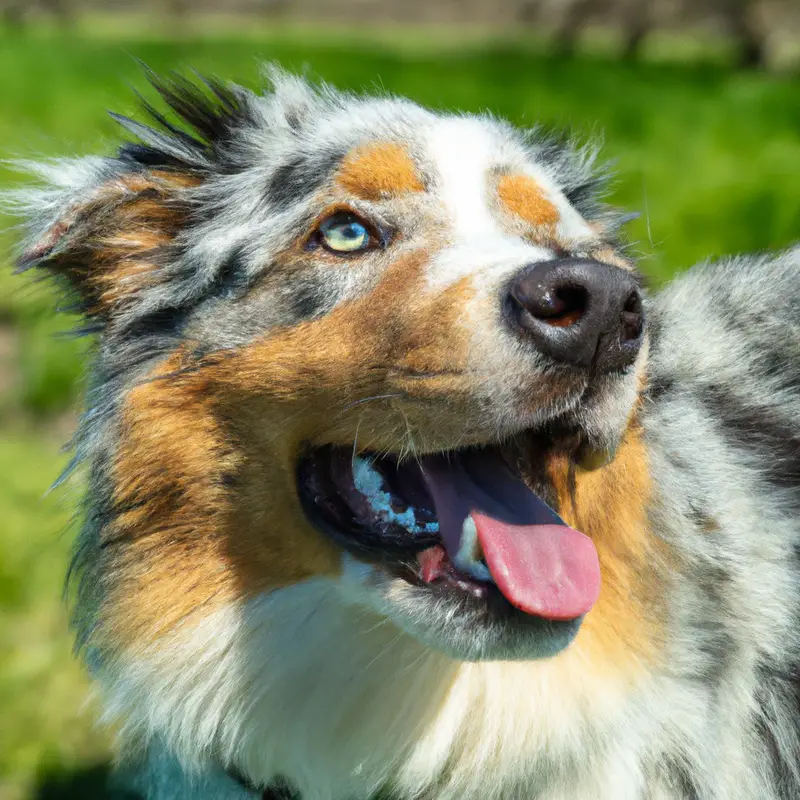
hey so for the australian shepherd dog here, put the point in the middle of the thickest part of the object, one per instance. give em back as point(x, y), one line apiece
point(399, 483)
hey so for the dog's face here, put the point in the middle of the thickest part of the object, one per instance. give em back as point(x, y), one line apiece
point(357, 341)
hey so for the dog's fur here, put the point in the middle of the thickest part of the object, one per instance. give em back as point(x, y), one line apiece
point(241, 648)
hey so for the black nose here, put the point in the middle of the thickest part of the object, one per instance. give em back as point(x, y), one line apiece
point(578, 312)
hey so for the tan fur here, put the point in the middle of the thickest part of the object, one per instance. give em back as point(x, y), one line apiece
point(208, 452)
point(201, 522)
point(522, 196)
point(609, 255)
point(126, 222)
point(610, 505)
point(354, 352)
point(207, 458)
point(379, 171)
point(124, 260)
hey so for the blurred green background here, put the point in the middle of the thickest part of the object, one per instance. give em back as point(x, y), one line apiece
point(709, 154)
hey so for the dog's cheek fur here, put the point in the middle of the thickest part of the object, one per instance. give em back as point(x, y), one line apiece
point(387, 364)
point(205, 506)
point(199, 517)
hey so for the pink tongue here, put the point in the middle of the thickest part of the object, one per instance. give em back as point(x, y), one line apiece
point(542, 566)
point(551, 571)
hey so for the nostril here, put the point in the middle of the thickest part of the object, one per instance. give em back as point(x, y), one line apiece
point(559, 307)
point(634, 303)
point(569, 307)
point(632, 318)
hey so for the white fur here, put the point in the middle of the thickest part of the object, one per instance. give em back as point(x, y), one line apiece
point(305, 684)
point(463, 151)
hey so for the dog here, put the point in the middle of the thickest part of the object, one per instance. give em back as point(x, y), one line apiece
point(399, 482)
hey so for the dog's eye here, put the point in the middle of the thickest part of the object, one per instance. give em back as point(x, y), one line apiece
point(344, 233)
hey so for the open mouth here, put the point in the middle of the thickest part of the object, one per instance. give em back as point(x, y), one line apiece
point(462, 521)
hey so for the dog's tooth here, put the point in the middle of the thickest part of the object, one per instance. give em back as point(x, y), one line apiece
point(372, 485)
point(366, 479)
point(469, 558)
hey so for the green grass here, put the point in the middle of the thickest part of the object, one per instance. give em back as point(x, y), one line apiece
point(710, 156)
point(44, 727)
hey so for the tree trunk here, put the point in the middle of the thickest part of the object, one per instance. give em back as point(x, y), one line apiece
point(12, 15)
point(572, 24)
point(179, 9)
point(749, 38)
point(528, 12)
point(63, 11)
point(275, 9)
point(637, 26)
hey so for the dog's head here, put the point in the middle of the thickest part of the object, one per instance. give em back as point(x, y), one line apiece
point(353, 339)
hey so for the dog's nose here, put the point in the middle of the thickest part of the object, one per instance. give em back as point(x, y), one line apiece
point(578, 311)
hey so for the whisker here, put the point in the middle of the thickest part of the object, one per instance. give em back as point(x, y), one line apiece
point(380, 624)
point(407, 449)
point(355, 445)
point(647, 213)
point(411, 665)
point(385, 650)
point(367, 400)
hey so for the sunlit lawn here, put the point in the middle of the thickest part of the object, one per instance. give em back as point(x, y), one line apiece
point(43, 725)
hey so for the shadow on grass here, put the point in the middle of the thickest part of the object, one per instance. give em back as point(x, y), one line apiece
point(87, 783)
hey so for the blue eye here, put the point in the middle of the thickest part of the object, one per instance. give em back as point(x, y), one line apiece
point(344, 233)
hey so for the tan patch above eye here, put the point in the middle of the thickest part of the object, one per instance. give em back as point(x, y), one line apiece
point(522, 196)
point(378, 171)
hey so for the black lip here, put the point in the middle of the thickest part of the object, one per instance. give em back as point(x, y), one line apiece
point(354, 538)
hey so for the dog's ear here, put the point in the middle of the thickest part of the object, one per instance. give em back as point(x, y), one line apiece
point(109, 230)
point(109, 225)
point(113, 226)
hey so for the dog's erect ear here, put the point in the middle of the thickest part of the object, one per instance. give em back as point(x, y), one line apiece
point(107, 229)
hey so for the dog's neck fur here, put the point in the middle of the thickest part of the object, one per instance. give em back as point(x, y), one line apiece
point(383, 709)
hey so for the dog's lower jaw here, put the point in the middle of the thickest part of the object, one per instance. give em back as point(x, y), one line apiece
point(457, 626)
point(304, 685)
